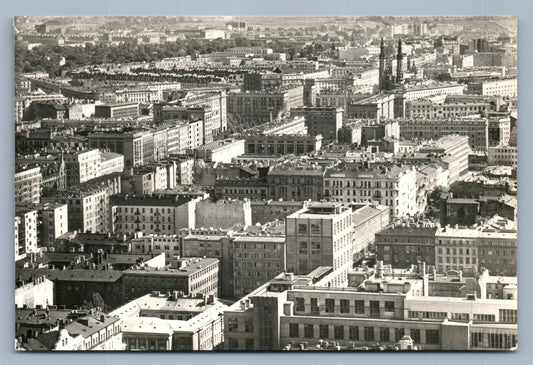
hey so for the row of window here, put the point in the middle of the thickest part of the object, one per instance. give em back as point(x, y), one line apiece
point(353, 333)
point(343, 306)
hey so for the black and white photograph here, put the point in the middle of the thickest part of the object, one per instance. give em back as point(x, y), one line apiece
point(265, 183)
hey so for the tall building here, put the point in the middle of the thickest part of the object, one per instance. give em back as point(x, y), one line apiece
point(125, 110)
point(54, 222)
point(324, 121)
point(26, 237)
point(88, 207)
point(28, 185)
point(320, 235)
point(82, 166)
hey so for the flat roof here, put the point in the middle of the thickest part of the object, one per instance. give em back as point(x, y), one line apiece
point(110, 276)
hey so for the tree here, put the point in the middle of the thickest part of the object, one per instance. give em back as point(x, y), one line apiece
point(95, 301)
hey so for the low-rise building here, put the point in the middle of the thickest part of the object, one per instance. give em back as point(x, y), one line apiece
point(503, 155)
point(151, 214)
point(172, 322)
point(124, 110)
point(402, 247)
point(192, 276)
point(90, 332)
point(286, 144)
point(393, 186)
point(38, 293)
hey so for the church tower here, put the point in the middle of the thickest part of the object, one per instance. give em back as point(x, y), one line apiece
point(399, 59)
point(382, 65)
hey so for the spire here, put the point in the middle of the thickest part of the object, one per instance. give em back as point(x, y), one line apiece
point(399, 60)
point(399, 46)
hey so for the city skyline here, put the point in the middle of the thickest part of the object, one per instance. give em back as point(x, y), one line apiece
point(266, 183)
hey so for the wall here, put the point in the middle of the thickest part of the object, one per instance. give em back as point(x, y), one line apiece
point(223, 213)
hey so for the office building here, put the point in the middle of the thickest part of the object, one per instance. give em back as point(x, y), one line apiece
point(320, 235)
point(125, 110)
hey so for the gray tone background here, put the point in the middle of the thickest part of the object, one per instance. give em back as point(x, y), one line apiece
point(521, 8)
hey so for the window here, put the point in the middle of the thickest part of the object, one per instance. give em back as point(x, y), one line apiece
point(433, 337)
point(399, 333)
point(309, 331)
point(323, 331)
point(476, 339)
point(415, 335)
point(354, 333)
point(302, 248)
point(389, 306)
point(369, 333)
point(508, 315)
point(294, 330)
point(359, 307)
point(330, 305)
point(249, 344)
point(345, 306)
point(374, 308)
point(233, 343)
point(338, 332)
point(233, 324)
point(302, 228)
point(315, 308)
point(300, 304)
point(249, 325)
point(384, 334)
point(315, 229)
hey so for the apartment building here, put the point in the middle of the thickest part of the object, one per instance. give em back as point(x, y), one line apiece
point(82, 166)
point(424, 129)
point(172, 322)
point(192, 276)
point(26, 232)
point(88, 207)
point(402, 247)
point(28, 185)
point(393, 186)
point(152, 215)
point(263, 106)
